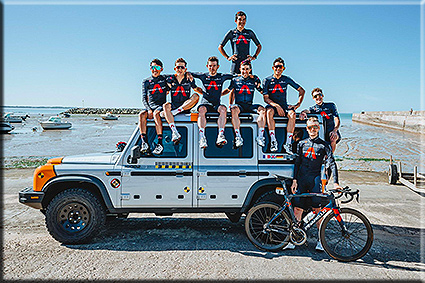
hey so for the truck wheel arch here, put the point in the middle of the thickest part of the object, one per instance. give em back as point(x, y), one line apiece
point(90, 183)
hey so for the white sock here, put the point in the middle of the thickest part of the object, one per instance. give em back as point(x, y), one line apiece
point(260, 132)
point(202, 132)
point(288, 138)
point(177, 111)
point(237, 133)
point(173, 127)
point(272, 135)
point(221, 131)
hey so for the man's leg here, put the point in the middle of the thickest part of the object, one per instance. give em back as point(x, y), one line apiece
point(236, 125)
point(158, 126)
point(221, 123)
point(290, 131)
point(271, 124)
point(261, 122)
point(202, 122)
point(187, 105)
point(142, 127)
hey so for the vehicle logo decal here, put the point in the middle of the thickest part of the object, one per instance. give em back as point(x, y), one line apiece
point(41, 175)
point(186, 189)
point(115, 183)
point(201, 190)
point(173, 165)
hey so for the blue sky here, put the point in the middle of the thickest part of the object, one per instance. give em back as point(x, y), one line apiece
point(364, 57)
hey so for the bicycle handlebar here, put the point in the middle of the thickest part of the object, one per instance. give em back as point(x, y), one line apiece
point(346, 191)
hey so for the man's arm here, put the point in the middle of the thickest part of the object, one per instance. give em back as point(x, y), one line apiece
point(279, 109)
point(231, 97)
point(330, 160)
point(223, 43)
point(145, 96)
point(301, 93)
point(297, 167)
point(257, 43)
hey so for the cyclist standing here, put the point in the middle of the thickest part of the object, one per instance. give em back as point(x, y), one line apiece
point(307, 171)
point(240, 39)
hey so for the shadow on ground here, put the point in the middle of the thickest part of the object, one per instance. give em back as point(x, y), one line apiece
point(391, 245)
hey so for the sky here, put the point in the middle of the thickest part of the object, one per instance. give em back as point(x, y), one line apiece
point(96, 53)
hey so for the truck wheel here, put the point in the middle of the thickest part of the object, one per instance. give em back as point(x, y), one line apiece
point(75, 216)
point(234, 217)
point(392, 174)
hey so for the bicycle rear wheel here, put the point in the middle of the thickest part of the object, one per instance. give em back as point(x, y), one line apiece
point(350, 245)
point(273, 238)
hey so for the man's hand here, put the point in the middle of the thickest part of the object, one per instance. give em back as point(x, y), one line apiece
point(303, 115)
point(150, 114)
point(294, 107)
point(280, 110)
point(189, 76)
point(234, 57)
point(333, 135)
point(250, 58)
point(294, 186)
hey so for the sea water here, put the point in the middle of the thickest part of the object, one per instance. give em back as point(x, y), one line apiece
point(363, 147)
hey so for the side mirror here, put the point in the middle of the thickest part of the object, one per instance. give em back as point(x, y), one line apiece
point(135, 154)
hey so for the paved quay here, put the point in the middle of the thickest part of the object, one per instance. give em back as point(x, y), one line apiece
point(208, 246)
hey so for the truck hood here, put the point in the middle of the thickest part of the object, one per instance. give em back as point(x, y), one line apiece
point(92, 158)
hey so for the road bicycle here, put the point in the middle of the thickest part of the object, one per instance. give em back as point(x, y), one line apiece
point(345, 233)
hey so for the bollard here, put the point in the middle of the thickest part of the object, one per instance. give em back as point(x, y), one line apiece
point(415, 175)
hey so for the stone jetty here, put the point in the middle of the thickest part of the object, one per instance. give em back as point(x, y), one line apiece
point(409, 121)
point(99, 111)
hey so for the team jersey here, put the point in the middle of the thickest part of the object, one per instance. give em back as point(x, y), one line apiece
point(311, 154)
point(180, 92)
point(244, 88)
point(276, 89)
point(328, 111)
point(154, 92)
point(213, 86)
point(240, 41)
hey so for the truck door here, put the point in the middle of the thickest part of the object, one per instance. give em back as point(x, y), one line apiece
point(224, 175)
point(163, 181)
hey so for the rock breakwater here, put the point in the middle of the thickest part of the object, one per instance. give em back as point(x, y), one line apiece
point(99, 111)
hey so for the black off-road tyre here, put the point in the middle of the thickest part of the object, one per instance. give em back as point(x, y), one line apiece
point(392, 174)
point(75, 216)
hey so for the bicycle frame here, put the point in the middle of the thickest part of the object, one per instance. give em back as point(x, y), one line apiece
point(331, 206)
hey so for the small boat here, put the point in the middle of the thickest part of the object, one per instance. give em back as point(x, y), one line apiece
point(5, 127)
point(66, 115)
point(109, 116)
point(55, 123)
point(12, 118)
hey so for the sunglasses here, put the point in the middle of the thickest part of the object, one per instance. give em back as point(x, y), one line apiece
point(156, 68)
point(313, 127)
point(278, 66)
point(180, 67)
point(317, 95)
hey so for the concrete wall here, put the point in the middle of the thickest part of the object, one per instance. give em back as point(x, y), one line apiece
point(410, 121)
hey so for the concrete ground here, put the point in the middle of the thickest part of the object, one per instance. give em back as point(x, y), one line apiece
point(208, 246)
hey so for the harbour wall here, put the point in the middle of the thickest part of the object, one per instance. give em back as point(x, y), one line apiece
point(409, 121)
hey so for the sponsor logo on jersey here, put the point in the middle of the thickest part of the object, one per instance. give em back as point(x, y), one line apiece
point(180, 89)
point(212, 84)
point(277, 88)
point(310, 151)
point(241, 38)
point(243, 88)
point(323, 113)
point(157, 87)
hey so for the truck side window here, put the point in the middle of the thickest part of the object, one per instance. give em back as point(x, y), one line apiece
point(227, 151)
point(170, 150)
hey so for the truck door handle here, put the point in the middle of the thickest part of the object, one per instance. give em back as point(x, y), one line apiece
point(179, 173)
point(242, 173)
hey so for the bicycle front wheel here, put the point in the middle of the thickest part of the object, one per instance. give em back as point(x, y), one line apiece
point(267, 236)
point(348, 245)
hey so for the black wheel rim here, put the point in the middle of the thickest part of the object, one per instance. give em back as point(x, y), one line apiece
point(267, 237)
point(350, 243)
point(74, 217)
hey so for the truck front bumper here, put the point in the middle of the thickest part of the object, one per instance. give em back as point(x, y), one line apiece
point(29, 197)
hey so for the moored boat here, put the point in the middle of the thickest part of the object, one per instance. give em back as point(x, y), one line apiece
point(5, 127)
point(109, 116)
point(55, 123)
